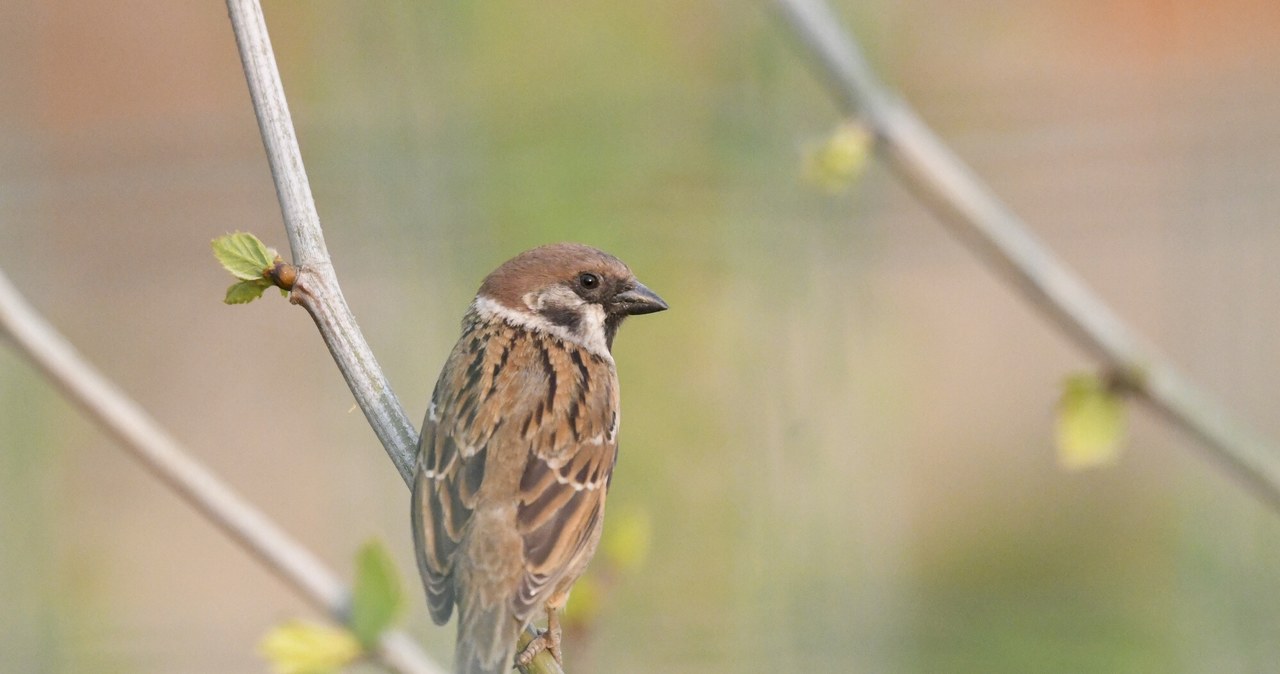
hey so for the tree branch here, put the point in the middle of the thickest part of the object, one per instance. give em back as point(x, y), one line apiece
point(941, 180)
point(161, 454)
point(316, 288)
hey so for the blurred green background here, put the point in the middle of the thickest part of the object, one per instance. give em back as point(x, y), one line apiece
point(840, 435)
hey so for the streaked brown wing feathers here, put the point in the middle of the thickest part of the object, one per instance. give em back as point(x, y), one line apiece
point(560, 407)
point(452, 456)
point(562, 490)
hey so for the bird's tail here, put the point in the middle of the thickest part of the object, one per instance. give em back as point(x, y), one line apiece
point(486, 639)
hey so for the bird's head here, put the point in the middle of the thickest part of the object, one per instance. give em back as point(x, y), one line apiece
point(568, 289)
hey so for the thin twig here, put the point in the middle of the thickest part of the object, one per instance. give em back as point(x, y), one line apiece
point(161, 454)
point(940, 179)
point(316, 288)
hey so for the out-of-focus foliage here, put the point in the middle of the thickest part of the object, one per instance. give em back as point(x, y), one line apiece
point(1091, 422)
point(623, 548)
point(376, 598)
point(841, 159)
point(299, 647)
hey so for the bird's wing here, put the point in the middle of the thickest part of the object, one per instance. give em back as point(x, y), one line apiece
point(558, 517)
point(505, 391)
point(572, 437)
point(452, 451)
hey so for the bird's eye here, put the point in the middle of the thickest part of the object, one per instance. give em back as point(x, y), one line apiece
point(588, 280)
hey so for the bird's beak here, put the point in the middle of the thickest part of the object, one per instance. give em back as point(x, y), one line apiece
point(638, 300)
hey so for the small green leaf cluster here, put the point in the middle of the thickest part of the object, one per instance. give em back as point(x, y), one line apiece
point(250, 261)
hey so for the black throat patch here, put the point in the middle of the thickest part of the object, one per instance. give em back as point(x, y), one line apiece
point(566, 317)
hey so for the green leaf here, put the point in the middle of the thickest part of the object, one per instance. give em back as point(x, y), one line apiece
point(377, 597)
point(1091, 422)
point(243, 255)
point(298, 647)
point(243, 292)
point(838, 162)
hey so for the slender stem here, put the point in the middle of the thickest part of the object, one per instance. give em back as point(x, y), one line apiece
point(959, 198)
point(317, 287)
point(306, 239)
point(161, 454)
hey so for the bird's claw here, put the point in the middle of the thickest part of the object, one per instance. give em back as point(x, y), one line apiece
point(547, 640)
point(535, 646)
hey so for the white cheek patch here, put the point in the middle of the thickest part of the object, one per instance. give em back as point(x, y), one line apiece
point(590, 334)
point(593, 323)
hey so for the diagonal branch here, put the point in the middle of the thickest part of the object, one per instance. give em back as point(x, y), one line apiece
point(959, 198)
point(160, 453)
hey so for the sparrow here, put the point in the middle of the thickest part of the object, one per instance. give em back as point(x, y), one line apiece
point(517, 451)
